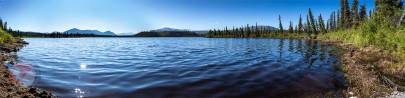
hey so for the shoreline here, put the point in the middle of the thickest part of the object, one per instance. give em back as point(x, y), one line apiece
point(365, 73)
point(363, 67)
point(11, 88)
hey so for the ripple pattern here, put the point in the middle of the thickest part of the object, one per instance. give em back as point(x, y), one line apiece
point(183, 67)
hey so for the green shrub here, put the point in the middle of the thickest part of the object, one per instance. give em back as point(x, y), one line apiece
point(5, 37)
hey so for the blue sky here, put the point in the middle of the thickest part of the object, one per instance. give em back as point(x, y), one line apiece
point(123, 16)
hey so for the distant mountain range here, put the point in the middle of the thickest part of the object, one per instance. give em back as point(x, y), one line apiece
point(95, 32)
point(125, 34)
point(165, 29)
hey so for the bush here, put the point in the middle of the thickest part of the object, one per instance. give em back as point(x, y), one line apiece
point(5, 37)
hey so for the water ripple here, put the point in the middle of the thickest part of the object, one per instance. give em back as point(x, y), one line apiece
point(182, 67)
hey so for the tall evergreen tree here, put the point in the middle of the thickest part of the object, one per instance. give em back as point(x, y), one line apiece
point(308, 25)
point(321, 23)
point(291, 28)
point(312, 22)
point(341, 14)
point(300, 26)
point(331, 21)
point(355, 12)
point(5, 26)
point(389, 8)
point(1, 24)
point(328, 24)
point(280, 24)
point(347, 14)
point(334, 21)
point(339, 22)
point(363, 13)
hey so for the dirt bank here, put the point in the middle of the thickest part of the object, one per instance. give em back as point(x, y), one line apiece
point(9, 87)
point(369, 71)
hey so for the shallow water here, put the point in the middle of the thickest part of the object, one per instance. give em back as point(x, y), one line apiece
point(182, 67)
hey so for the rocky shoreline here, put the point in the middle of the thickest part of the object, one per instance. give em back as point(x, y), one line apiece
point(366, 72)
point(11, 88)
point(364, 68)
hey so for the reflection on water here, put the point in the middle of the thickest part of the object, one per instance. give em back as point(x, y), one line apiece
point(183, 67)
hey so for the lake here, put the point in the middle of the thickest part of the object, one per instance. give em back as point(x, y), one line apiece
point(183, 67)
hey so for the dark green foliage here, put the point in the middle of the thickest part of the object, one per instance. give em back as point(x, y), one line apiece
point(355, 13)
point(342, 17)
point(389, 8)
point(5, 26)
point(321, 23)
point(1, 24)
point(291, 28)
point(345, 18)
point(281, 29)
point(246, 31)
point(347, 15)
point(332, 23)
point(339, 20)
point(308, 28)
point(312, 22)
point(363, 13)
point(52, 35)
point(300, 25)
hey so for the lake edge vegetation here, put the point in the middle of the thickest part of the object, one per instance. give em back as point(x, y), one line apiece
point(10, 87)
point(8, 31)
point(379, 36)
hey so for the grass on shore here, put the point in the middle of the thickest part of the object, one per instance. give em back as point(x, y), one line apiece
point(377, 32)
point(381, 51)
point(5, 37)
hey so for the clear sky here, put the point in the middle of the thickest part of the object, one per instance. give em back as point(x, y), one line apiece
point(122, 16)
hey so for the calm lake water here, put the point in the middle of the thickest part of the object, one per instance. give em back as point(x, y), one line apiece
point(182, 67)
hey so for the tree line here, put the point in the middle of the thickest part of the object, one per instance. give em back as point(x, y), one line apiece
point(348, 16)
point(17, 33)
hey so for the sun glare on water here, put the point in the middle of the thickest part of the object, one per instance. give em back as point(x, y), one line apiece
point(83, 66)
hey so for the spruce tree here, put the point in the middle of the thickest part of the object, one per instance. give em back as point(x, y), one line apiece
point(308, 25)
point(1, 24)
point(355, 12)
point(300, 26)
point(321, 23)
point(334, 24)
point(312, 22)
point(389, 8)
point(280, 25)
point(5, 26)
point(347, 14)
point(291, 28)
point(363, 13)
point(328, 26)
point(331, 21)
point(339, 21)
point(341, 14)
